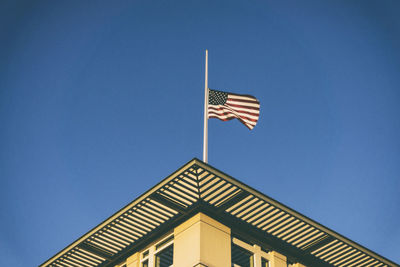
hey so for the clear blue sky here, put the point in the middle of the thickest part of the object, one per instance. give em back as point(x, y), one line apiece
point(100, 100)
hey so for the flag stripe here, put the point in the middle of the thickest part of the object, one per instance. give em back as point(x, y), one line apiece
point(243, 102)
point(241, 110)
point(243, 97)
point(222, 110)
point(242, 106)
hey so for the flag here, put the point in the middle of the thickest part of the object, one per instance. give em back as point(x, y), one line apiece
point(226, 106)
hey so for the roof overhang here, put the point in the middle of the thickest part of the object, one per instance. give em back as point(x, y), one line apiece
point(198, 187)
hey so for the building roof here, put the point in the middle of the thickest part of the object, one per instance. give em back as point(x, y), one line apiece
point(196, 187)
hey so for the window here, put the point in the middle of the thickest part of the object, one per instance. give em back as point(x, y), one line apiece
point(160, 254)
point(241, 257)
point(248, 255)
point(165, 257)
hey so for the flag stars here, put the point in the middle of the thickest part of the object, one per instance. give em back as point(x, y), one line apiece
point(217, 97)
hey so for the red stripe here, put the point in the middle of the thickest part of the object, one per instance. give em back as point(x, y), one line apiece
point(239, 106)
point(239, 111)
point(249, 119)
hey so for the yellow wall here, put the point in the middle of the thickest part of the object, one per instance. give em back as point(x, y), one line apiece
point(133, 261)
point(202, 240)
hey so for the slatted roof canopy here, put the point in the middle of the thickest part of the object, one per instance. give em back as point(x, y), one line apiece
point(199, 187)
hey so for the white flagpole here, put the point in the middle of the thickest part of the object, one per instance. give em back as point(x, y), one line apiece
point(205, 140)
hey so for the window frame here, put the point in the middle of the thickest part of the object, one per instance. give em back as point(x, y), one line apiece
point(149, 253)
point(258, 253)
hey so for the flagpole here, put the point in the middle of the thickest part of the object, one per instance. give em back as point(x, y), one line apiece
point(205, 140)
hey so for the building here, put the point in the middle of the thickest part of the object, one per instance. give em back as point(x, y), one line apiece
point(199, 216)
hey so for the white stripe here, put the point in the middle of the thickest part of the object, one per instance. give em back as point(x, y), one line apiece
point(256, 105)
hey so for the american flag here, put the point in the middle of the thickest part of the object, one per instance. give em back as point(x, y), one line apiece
point(226, 106)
